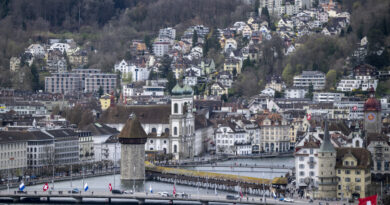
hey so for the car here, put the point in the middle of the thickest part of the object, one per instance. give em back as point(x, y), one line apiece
point(75, 191)
point(281, 199)
point(164, 194)
point(288, 200)
point(116, 191)
point(182, 195)
point(128, 192)
point(232, 197)
point(21, 192)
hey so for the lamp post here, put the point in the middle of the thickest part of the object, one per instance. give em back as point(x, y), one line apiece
point(11, 160)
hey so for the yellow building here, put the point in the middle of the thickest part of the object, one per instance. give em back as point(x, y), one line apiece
point(353, 171)
point(105, 101)
point(232, 65)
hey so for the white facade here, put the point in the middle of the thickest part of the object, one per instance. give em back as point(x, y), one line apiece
point(161, 48)
point(13, 154)
point(306, 166)
point(348, 85)
point(307, 78)
point(227, 136)
point(137, 73)
point(269, 92)
point(295, 93)
point(63, 47)
point(36, 50)
point(327, 97)
point(153, 91)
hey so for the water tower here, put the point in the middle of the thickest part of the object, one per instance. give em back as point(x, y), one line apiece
point(132, 139)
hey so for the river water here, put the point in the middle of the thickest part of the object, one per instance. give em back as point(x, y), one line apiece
point(101, 183)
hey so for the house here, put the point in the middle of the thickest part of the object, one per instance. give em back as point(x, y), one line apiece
point(190, 78)
point(276, 83)
point(232, 65)
point(268, 92)
point(274, 132)
point(207, 65)
point(247, 31)
point(230, 44)
point(306, 163)
point(348, 85)
point(14, 64)
point(78, 59)
point(105, 101)
point(227, 136)
point(225, 78)
point(37, 50)
point(63, 47)
point(218, 89)
point(295, 92)
point(160, 48)
point(327, 97)
point(130, 70)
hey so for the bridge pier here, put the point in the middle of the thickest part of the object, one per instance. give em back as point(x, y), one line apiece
point(204, 202)
point(141, 201)
point(16, 199)
point(109, 200)
point(79, 200)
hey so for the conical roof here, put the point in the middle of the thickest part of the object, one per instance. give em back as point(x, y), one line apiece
point(326, 145)
point(133, 129)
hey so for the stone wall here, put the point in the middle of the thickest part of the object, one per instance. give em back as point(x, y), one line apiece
point(132, 161)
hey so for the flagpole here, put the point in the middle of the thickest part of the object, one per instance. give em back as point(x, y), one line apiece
point(71, 178)
point(114, 164)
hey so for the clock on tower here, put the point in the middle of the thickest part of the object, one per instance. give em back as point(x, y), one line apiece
point(372, 115)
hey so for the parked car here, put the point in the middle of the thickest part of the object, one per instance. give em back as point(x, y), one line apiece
point(164, 194)
point(288, 200)
point(232, 197)
point(116, 191)
point(128, 192)
point(182, 195)
point(75, 191)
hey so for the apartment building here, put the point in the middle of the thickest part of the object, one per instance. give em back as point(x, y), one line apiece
point(327, 97)
point(66, 146)
point(13, 152)
point(307, 78)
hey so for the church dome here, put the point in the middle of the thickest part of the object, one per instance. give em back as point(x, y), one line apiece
point(187, 90)
point(177, 90)
point(372, 104)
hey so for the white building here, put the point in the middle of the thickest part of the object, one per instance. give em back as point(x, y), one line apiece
point(150, 90)
point(130, 70)
point(63, 47)
point(327, 97)
point(227, 136)
point(307, 78)
point(13, 152)
point(167, 33)
point(348, 85)
point(268, 92)
point(40, 150)
point(306, 164)
point(161, 48)
point(295, 92)
point(37, 50)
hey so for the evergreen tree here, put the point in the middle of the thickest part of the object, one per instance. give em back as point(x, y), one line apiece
point(35, 78)
point(100, 91)
point(171, 82)
point(256, 7)
point(165, 66)
point(309, 93)
point(194, 38)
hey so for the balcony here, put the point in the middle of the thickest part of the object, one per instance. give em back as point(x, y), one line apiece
point(311, 162)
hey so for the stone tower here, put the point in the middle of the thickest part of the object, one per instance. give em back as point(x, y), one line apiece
point(132, 139)
point(372, 115)
point(327, 180)
point(182, 122)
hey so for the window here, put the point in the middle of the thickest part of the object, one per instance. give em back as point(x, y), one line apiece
point(175, 130)
point(312, 173)
point(352, 163)
point(357, 188)
point(311, 151)
point(174, 148)
point(301, 158)
point(346, 163)
point(378, 165)
point(151, 141)
point(311, 159)
point(347, 171)
point(357, 180)
point(347, 179)
point(339, 187)
point(175, 108)
point(167, 131)
point(338, 171)
point(301, 166)
point(386, 166)
point(357, 172)
point(311, 166)
point(165, 141)
point(154, 130)
point(301, 173)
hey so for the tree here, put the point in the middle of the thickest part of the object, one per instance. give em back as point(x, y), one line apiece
point(35, 77)
point(100, 91)
point(165, 66)
point(265, 14)
point(256, 7)
point(194, 38)
point(288, 74)
point(309, 93)
point(331, 79)
point(171, 82)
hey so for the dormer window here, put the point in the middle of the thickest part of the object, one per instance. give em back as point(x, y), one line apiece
point(346, 163)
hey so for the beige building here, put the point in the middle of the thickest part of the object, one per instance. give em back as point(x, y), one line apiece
point(353, 171)
point(274, 133)
point(13, 153)
point(14, 64)
point(87, 152)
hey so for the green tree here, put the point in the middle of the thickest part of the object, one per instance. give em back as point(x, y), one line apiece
point(309, 93)
point(265, 14)
point(100, 91)
point(256, 7)
point(288, 74)
point(194, 38)
point(331, 79)
point(35, 77)
point(171, 82)
point(165, 66)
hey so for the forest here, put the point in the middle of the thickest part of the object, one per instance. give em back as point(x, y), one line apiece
point(108, 26)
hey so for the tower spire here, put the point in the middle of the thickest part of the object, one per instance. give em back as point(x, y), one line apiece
point(326, 145)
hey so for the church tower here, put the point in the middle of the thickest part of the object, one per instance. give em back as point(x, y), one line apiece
point(372, 115)
point(327, 186)
point(182, 122)
point(132, 139)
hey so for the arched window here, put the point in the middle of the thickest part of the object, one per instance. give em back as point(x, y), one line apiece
point(167, 131)
point(357, 143)
point(175, 130)
point(175, 108)
point(165, 150)
point(174, 148)
point(154, 130)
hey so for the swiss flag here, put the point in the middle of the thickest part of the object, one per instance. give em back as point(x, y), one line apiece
point(354, 108)
point(45, 187)
point(174, 189)
point(110, 187)
point(241, 195)
point(308, 116)
point(371, 200)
